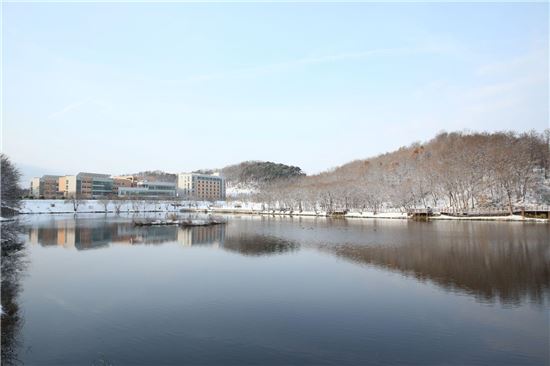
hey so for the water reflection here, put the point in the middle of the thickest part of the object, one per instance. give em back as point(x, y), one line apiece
point(508, 262)
point(282, 291)
point(505, 262)
point(508, 272)
point(93, 234)
point(258, 245)
point(86, 234)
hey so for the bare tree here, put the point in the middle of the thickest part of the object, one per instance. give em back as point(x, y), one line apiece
point(105, 201)
point(76, 200)
point(9, 186)
point(117, 203)
point(455, 172)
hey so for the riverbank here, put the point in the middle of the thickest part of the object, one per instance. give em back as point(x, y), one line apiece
point(240, 208)
point(372, 215)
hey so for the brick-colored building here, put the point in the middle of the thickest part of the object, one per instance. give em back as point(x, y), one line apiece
point(123, 182)
point(45, 187)
point(86, 185)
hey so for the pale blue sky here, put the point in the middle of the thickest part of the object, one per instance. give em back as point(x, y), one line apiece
point(126, 87)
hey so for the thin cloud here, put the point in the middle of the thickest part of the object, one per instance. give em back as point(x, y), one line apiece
point(287, 65)
point(69, 108)
point(77, 105)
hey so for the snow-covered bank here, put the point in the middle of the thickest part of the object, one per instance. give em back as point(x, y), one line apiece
point(99, 206)
point(489, 218)
point(368, 215)
point(89, 206)
point(222, 207)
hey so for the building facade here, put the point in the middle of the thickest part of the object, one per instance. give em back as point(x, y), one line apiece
point(201, 186)
point(35, 187)
point(123, 182)
point(146, 189)
point(86, 185)
point(93, 185)
point(45, 187)
point(127, 178)
point(67, 186)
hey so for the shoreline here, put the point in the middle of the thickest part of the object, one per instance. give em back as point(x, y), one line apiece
point(53, 207)
point(385, 216)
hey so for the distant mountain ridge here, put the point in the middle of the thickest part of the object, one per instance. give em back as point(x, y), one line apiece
point(245, 173)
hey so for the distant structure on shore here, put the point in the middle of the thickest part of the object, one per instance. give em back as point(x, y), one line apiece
point(149, 189)
point(207, 187)
point(47, 186)
point(94, 185)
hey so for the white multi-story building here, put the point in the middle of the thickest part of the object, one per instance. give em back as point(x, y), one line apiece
point(201, 186)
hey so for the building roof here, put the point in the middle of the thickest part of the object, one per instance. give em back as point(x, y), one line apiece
point(95, 175)
point(203, 175)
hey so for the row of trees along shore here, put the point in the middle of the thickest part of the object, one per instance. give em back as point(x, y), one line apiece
point(457, 171)
point(10, 191)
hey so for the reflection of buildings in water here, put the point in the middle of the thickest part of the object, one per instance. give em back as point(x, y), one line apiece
point(156, 234)
point(62, 234)
point(202, 235)
point(33, 235)
point(66, 237)
point(128, 233)
point(510, 263)
point(71, 234)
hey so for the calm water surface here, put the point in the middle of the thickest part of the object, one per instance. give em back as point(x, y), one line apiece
point(96, 290)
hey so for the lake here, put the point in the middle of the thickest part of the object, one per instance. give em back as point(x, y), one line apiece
point(95, 290)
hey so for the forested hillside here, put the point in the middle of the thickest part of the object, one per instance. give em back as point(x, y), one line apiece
point(155, 176)
point(456, 171)
point(260, 172)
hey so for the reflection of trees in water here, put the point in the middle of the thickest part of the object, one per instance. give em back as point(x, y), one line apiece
point(257, 245)
point(490, 261)
point(511, 272)
point(13, 264)
point(88, 234)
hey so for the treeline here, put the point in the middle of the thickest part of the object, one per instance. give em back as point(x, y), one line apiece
point(155, 176)
point(10, 191)
point(454, 171)
point(260, 172)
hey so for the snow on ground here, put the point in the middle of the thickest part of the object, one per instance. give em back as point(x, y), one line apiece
point(372, 215)
point(90, 206)
point(240, 189)
point(61, 206)
point(488, 218)
point(238, 207)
